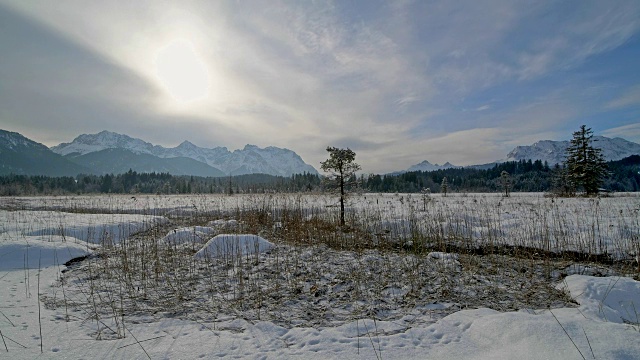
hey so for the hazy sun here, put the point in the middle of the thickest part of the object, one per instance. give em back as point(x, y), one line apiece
point(182, 72)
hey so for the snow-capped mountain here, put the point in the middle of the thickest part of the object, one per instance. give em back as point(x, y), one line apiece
point(554, 152)
point(20, 155)
point(14, 141)
point(88, 143)
point(250, 160)
point(427, 166)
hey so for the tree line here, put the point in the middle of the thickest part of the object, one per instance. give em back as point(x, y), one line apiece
point(527, 175)
point(133, 182)
point(524, 176)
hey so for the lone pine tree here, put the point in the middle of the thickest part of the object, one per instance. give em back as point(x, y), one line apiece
point(341, 164)
point(444, 186)
point(505, 181)
point(585, 164)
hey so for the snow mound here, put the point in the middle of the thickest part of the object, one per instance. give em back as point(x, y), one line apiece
point(234, 245)
point(32, 252)
point(96, 228)
point(612, 299)
point(191, 234)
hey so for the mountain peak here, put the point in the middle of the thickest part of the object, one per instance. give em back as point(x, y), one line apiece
point(251, 159)
point(554, 152)
point(105, 135)
point(425, 165)
point(13, 141)
point(21, 155)
point(87, 143)
point(187, 144)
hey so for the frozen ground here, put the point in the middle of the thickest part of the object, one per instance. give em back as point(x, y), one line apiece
point(34, 245)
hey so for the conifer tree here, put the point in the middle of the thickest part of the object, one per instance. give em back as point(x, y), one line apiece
point(585, 164)
point(341, 164)
point(444, 186)
point(560, 181)
point(505, 180)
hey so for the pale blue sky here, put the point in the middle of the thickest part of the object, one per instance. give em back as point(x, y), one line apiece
point(397, 81)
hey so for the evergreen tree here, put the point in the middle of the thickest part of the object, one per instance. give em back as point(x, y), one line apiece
point(230, 187)
point(561, 183)
point(505, 180)
point(585, 164)
point(341, 165)
point(444, 186)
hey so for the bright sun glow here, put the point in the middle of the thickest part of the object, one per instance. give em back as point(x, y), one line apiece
point(181, 71)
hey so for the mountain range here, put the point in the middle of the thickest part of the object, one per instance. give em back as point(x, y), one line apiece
point(108, 152)
point(425, 166)
point(553, 152)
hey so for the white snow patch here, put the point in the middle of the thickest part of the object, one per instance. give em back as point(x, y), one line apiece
point(191, 234)
point(91, 228)
point(613, 299)
point(234, 245)
point(32, 252)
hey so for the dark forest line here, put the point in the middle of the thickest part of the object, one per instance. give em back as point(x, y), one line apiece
point(525, 176)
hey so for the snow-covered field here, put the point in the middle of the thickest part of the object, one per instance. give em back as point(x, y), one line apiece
point(187, 277)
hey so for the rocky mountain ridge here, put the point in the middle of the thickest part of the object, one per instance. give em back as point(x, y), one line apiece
point(249, 160)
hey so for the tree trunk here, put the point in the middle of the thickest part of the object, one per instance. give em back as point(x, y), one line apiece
point(341, 200)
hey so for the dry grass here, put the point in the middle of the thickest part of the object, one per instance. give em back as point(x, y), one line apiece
point(378, 266)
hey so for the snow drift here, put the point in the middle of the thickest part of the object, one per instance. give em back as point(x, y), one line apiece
point(191, 234)
point(225, 245)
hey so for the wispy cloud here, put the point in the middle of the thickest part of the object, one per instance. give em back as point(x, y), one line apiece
point(631, 97)
point(629, 132)
point(390, 78)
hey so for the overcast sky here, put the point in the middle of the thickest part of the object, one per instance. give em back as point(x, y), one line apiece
point(396, 81)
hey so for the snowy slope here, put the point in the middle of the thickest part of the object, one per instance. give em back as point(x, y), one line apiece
point(20, 155)
point(14, 141)
point(189, 150)
point(554, 152)
point(88, 143)
point(250, 160)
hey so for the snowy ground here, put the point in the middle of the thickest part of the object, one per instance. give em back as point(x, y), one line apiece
point(596, 225)
point(444, 314)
